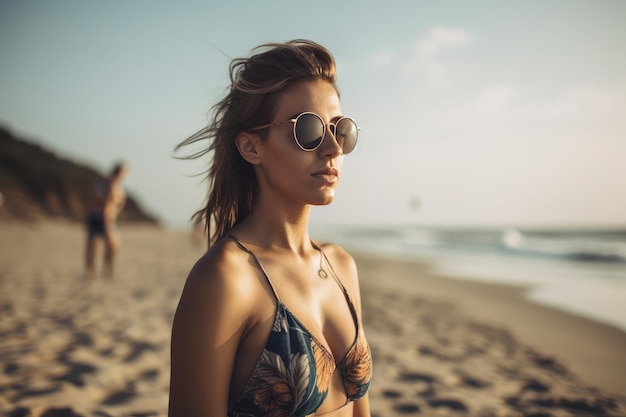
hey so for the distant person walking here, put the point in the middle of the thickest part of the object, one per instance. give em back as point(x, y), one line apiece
point(106, 201)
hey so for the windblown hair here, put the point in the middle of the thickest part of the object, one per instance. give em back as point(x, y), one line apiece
point(256, 84)
point(117, 168)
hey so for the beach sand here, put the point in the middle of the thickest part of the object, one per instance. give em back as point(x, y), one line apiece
point(71, 346)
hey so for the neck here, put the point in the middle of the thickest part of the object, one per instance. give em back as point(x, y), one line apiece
point(277, 226)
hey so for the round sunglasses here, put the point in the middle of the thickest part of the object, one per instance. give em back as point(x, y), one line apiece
point(309, 131)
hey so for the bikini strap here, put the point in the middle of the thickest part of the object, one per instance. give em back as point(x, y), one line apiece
point(256, 259)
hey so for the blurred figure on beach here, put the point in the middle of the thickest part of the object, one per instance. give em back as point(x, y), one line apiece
point(106, 201)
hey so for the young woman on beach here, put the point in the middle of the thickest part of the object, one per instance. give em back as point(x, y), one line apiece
point(269, 321)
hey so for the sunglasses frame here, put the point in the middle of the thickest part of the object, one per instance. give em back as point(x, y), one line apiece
point(295, 136)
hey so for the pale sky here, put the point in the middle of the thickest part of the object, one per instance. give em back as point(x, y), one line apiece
point(472, 113)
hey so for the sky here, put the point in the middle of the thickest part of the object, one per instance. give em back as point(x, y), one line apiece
point(483, 113)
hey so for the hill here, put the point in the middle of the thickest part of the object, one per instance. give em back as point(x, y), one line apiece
point(36, 184)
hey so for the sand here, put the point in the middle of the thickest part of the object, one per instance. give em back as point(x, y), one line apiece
point(70, 346)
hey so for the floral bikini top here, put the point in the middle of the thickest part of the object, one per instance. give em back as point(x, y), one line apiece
point(294, 372)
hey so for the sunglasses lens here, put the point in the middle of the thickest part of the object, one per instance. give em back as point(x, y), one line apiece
point(309, 131)
point(346, 134)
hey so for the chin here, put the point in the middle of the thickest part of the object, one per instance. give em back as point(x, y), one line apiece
point(324, 201)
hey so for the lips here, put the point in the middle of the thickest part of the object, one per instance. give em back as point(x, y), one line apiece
point(329, 175)
point(332, 171)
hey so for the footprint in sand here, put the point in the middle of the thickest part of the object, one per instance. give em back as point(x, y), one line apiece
point(137, 348)
point(121, 396)
point(535, 386)
point(417, 377)
point(149, 374)
point(454, 405)
point(548, 363)
point(473, 381)
point(51, 412)
point(598, 406)
point(406, 408)
point(75, 372)
point(82, 339)
point(391, 394)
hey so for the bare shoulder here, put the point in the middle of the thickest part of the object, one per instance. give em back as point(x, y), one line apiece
point(218, 305)
point(337, 252)
point(224, 270)
point(223, 282)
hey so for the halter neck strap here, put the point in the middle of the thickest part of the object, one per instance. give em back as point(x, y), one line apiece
point(256, 259)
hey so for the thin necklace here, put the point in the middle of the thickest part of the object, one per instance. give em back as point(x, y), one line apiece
point(321, 272)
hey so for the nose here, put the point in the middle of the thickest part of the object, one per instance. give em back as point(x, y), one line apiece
point(330, 145)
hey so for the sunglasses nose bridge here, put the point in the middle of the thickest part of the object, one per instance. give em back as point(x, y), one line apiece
point(330, 138)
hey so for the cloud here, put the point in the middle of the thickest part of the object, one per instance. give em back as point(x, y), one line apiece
point(425, 63)
point(423, 60)
point(440, 38)
point(504, 112)
point(382, 59)
point(587, 106)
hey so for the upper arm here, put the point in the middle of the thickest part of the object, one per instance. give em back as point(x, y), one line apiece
point(209, 323)
point(110, 204)
point(362, 407)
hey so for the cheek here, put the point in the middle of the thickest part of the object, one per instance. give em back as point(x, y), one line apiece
point(285, 168)
point(339, 164)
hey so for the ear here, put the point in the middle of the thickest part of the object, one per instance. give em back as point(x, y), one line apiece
point(249, 145)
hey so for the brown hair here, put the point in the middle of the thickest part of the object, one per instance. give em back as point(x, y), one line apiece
point(117, 168)
point(256, 84)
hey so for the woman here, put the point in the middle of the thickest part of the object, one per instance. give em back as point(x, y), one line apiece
point(269, 322)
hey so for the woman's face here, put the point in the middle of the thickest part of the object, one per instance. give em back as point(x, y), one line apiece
point(286, 171)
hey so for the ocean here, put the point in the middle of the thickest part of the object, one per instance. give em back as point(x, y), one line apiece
point(582, 272)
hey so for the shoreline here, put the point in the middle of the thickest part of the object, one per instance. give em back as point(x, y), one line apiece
point(600, 361)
